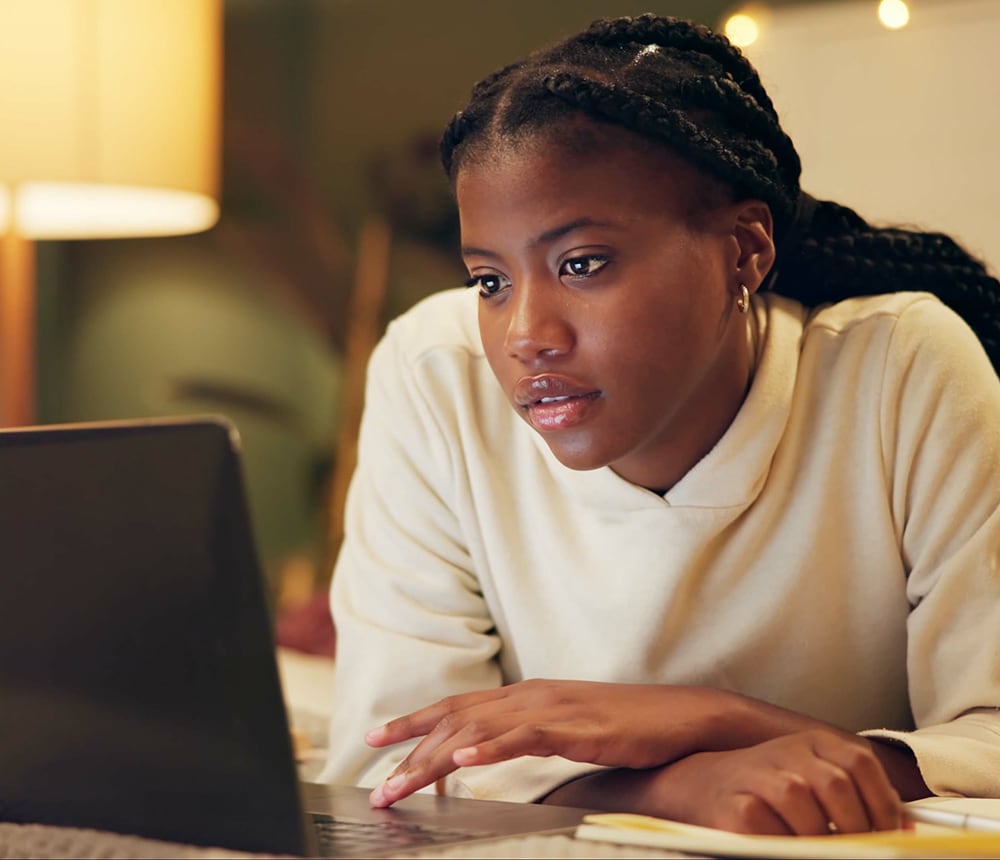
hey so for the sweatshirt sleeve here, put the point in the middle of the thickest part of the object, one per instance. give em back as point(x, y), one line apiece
point(412, 625)
point(941, 437)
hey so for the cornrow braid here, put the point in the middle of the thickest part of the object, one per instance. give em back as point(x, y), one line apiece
point(751, 166)
point(481, 104)
point(690, 89)
point(668, 32)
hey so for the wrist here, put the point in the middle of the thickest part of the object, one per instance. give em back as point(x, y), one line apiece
point(658, 791)
point(900, 765)
point(713, 719)
point(613, 790)
point(746, 722)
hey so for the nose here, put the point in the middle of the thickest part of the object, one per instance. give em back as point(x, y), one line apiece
point(537, 323)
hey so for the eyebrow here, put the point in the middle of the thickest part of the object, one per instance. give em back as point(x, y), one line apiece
point(547, 236)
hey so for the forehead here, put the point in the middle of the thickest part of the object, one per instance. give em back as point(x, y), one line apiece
point(554, 174)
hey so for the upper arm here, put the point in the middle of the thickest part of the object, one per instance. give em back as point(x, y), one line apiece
point(941, 430)
point(412, 624)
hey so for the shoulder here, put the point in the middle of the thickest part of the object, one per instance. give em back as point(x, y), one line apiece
point(437, 337)
point(870, 311)
point(442, 323)
point(909, 354)
point(904, 327)
point(432, 357)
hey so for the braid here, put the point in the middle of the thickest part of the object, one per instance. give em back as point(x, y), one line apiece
point(690, 89)
point(454, 133)
point(840, 256)
point(687, 36)
point(736, 166)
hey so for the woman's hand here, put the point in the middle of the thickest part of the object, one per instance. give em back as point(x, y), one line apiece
point(618, 725)
point(807, 783)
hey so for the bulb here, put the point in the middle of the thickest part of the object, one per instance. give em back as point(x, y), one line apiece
point(893, 14)
point(742, 29)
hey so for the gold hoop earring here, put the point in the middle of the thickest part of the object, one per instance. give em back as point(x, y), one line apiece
point(743, 299)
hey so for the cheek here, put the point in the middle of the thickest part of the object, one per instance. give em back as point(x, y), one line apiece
point(492, 334)
point(657, 346)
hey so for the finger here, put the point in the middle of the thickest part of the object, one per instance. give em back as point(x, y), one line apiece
point(535, 739)
point(387, 792)
point(791, 796)
point(433, 758)
point(421, 722)
point(467, 728)
point(846, 810)
point(556, 730)
point(750, 813)
point(869, 789)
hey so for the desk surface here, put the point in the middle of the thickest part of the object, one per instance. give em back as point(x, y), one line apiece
point(46, 841)
point(42, 841)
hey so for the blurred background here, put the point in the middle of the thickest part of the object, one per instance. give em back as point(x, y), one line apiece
point(334, 216)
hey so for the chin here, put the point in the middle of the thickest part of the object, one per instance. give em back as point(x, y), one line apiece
point(578, 454)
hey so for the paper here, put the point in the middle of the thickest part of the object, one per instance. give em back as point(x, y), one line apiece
point(924, 841)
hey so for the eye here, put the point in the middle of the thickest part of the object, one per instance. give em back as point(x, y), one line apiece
point(489, 285)
point(585, 266)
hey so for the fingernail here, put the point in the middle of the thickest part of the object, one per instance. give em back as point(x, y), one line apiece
point(394, 782)
point(374, 735)
point(377, 798)
point(465, 754)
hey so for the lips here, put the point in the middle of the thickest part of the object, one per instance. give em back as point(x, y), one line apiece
point(554, 402)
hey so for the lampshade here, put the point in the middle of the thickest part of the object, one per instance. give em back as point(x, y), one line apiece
point(109, 111)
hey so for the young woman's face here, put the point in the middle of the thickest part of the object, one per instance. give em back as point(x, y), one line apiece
point(608, 307)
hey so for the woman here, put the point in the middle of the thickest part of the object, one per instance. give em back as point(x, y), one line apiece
point(713, 459)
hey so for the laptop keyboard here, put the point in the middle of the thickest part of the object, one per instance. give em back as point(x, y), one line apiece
point(344, 837)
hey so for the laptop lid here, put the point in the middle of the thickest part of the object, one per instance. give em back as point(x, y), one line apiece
point(138, 680)
point(137, 673)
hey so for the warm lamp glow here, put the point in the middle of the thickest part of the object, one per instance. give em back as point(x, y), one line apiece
point(110, 112)
point(742, 29)
point(4, 210)
point(53, 210)
point(109, 126)
point(893, 14)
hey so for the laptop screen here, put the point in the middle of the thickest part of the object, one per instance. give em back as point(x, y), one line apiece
point(137, 672)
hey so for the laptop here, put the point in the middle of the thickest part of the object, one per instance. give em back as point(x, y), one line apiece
point(138, 680)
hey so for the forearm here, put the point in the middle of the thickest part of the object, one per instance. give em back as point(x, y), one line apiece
point(721, 720)
point(659, 791)
point(809, 783)
point(730, 722)
point(617, 790)
point(743, 722)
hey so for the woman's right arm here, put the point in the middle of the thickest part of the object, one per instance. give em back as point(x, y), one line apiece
point(411, 623)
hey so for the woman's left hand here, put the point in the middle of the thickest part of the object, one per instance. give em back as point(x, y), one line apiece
point(618, 725)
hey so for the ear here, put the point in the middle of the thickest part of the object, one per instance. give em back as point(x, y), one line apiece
point(753, 229)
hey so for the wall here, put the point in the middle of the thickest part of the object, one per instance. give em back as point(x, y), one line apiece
point(901, 125)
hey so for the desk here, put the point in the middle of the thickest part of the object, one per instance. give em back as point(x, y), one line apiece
point(45, 841)
point(41, 841)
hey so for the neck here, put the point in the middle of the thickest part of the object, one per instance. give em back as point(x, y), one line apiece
point(704, 420)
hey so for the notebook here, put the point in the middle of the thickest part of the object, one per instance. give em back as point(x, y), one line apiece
point(952, 827)
point(137, 669)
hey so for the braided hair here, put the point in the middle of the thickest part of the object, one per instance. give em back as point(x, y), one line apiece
point(685, 86)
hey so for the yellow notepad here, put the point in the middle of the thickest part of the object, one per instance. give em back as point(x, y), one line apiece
point(924, 841)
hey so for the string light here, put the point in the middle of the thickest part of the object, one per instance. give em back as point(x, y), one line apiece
point(893, 14)
point(742, 29)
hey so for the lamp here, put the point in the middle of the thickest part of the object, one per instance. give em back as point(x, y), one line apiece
point(109, 127)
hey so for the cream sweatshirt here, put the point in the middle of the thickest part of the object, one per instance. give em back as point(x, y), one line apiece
point(836, 553)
